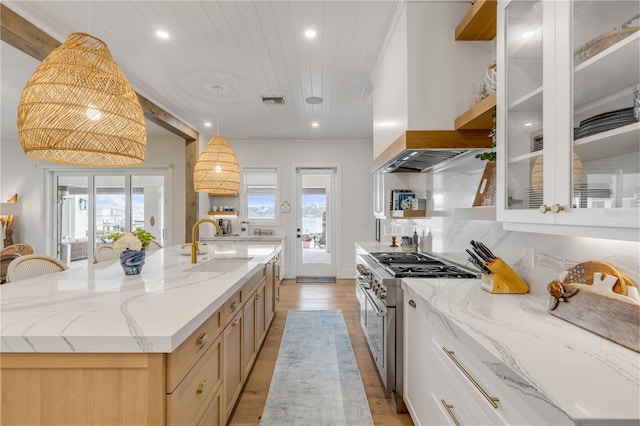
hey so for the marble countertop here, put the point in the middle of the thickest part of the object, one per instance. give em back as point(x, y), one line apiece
point(97, 308)
point(245, 238)
point(548, 361)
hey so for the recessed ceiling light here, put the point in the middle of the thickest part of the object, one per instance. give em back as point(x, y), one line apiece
point(313, 100)
point(310, 34)
point(207, 124)
point(162, 34)
point(315, 124)
point(528, 124)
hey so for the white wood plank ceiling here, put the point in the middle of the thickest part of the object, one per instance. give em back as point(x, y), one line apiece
point(249, 49)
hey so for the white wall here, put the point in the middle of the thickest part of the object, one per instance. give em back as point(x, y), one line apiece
point(356, 192)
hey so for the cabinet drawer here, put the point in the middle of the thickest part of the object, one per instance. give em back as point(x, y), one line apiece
point(485, 378)
point(193, 392)
point(451, 403)
point(231, 306)
point(252, 284)
point(212, 415)
point(180, 361)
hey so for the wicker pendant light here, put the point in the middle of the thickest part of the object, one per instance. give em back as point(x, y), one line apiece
point(78, 108)
point(217, 170)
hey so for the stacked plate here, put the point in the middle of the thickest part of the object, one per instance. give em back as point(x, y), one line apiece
point(605, 121)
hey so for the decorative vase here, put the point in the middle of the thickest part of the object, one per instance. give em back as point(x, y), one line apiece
point(132, 261)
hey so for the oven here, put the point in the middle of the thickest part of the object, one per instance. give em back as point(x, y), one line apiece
point(379, 294)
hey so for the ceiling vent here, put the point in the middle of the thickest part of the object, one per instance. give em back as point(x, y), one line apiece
point(273, 100)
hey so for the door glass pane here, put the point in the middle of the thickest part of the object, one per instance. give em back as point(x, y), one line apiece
point(606, 160)
point(110, 207)
point(148, 204)
point(524, 93)
point(315, 189)
point(72, 221)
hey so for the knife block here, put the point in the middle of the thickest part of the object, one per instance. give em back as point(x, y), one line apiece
point(503, 279)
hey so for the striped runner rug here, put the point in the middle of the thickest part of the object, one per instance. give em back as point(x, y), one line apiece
point(316, 380)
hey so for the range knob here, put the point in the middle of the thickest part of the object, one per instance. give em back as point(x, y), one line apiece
point(383, 295)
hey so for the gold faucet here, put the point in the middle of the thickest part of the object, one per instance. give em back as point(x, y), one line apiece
point(194, 242)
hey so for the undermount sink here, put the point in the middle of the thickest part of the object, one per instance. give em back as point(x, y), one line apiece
point(227, 264)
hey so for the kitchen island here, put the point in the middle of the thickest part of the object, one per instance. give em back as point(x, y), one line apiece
point(172, 345)
point(538, 368)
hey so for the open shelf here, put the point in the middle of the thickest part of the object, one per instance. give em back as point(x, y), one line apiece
point(478, 117)
point(414, 214)
point(480, 22)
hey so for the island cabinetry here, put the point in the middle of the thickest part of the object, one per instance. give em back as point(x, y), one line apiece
point(180, 361)
point(261, 315)
point(233, 368)
point(82, 389)
point(269, 293)
point(201, 383)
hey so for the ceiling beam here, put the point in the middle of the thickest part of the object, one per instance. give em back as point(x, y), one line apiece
point(26, 37)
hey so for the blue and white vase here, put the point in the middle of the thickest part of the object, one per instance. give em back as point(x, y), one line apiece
point(132, 261)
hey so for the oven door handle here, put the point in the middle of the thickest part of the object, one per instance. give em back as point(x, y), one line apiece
point(375, 307)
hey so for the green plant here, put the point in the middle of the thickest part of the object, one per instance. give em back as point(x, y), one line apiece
point(490, 155)
point(144, 236)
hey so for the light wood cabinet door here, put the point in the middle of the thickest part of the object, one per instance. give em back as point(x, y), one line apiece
point(269, 293)
point(232, 362)
point(248, 334)
point(261, 316)
point(212, 415)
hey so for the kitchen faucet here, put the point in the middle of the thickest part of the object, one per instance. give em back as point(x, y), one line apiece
point(194, 242)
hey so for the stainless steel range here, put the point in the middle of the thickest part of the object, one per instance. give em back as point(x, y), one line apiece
point(378, 290)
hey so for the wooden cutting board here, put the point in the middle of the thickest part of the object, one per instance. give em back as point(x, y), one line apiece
point(582, 273)
point(614, 319)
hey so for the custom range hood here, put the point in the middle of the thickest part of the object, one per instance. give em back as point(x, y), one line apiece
point(421, 150)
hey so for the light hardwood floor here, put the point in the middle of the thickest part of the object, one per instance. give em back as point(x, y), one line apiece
point(315, 296)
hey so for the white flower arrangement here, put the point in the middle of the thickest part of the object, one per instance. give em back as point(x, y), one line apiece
point(127, 241)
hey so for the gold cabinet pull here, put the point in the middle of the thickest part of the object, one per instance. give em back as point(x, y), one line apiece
point(201, 386)
point(233, 304)
point(449, 409)
point(202, 339)
point(234, 323)
point(412, 303)
point(557, 208)
point(492, 399)
point(544, 208)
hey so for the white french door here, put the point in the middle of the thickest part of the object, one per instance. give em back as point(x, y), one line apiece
point(316, 203)
point(92, 203)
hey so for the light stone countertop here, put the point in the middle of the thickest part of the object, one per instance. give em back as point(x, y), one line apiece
point(97, 308)
point(552, 364)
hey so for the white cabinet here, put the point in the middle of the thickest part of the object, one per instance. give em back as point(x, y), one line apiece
point(416, 374)
point(562, 68)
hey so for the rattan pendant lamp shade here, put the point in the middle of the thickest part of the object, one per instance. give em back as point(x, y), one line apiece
point(217, 170)
point(78, 108)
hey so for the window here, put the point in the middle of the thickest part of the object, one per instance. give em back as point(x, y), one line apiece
point(261, 194)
